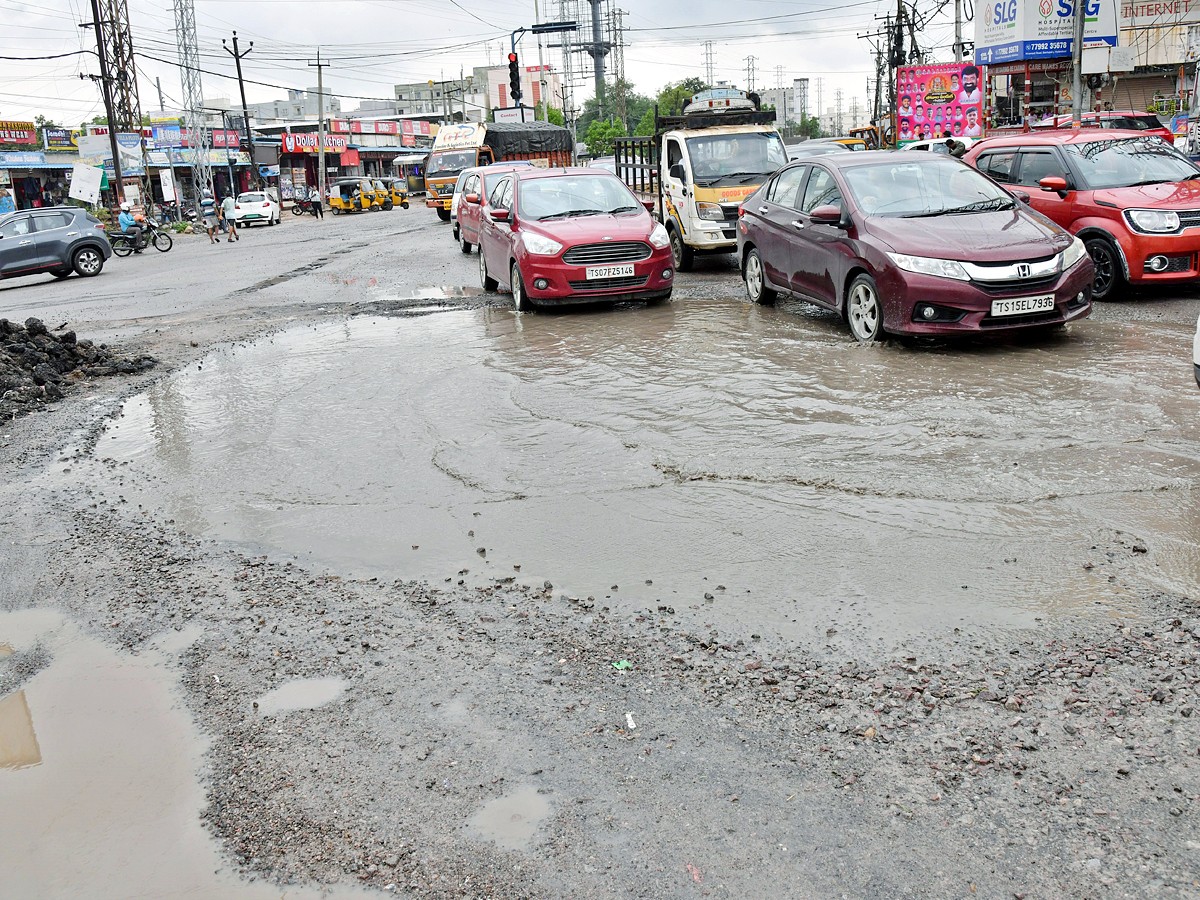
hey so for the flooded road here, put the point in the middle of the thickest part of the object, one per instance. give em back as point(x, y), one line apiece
point(745, 466)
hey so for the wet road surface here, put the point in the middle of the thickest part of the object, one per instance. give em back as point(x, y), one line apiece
point(743, 465)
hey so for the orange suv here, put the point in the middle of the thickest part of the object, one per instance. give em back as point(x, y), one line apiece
point(1133, 200)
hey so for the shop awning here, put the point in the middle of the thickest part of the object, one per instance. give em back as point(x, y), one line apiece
point(409, 159)
point(63, 166)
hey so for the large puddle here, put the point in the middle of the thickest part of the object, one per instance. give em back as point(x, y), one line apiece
point(750, 464)
point(98, 787)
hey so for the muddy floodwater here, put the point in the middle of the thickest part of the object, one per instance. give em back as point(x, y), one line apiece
point(750, 467)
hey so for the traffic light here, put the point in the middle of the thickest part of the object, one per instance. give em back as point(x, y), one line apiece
point(514, 78)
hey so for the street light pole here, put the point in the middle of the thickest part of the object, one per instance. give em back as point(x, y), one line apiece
point(1077, 68)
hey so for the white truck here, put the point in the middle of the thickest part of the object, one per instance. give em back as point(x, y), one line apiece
point(699, 166)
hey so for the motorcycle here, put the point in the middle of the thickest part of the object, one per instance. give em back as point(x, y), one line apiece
point(301, 206)
point(153, 234)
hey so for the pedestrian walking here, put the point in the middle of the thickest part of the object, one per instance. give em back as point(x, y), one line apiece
point(314, 197)
point(227, 211)
point(208, 215)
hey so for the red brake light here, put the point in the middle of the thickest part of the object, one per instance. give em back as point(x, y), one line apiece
point(741, 210)
point(266, 203)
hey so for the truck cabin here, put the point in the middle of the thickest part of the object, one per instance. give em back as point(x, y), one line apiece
point(725, 157)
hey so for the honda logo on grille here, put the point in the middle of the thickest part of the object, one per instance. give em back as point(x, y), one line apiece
point(1024, 270)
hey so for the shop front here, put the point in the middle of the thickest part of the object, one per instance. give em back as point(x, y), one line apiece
point(299, 159)
point(33, 179)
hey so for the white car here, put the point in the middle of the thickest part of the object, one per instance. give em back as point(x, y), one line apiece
point(1196, 352)
point(463, 178)
point(938, 145)
point(256, 207)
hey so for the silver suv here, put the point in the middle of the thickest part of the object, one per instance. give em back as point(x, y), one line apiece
point(59, 240)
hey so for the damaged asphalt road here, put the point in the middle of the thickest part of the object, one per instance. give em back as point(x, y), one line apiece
point(409, 716)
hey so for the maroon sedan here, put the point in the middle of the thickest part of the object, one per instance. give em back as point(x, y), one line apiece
point(909, 244)
point(562, 236)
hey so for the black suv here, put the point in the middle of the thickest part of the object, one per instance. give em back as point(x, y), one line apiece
point(59, 240)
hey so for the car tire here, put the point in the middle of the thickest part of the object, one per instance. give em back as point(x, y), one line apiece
point(60, 273)
point(864, 310)
point(464, 245)
point(520, 299)
point(87, 262)
point(162, 241)
point(756, 280)
point(1108, 267)
point(681, 254)
point(443, 214)
point(485, 280)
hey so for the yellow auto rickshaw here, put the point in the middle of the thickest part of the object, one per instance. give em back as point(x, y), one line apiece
point(398, 190)
point(351, 195)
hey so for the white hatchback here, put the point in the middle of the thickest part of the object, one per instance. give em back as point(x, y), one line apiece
point(256, 207)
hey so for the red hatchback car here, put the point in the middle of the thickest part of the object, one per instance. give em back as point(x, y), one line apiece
point(1133, 200)
point(1118, 119)
point(562, 236)
point(909, 243)
point(470, 213)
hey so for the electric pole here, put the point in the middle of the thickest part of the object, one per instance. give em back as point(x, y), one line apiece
point(708, 62)
point(750, 61)
point(237, 58)
point(598, 50)
point(1077, 68)
point(106, 92)
point(320, 67)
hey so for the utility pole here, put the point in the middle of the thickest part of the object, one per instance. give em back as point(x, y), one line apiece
point(750, 61)
point(320, 67)
point(237, 57)
point(106, 92)
point(958, 41)
point(598, 51)
point(158, 84)
point(541, 94)
point(1077, 68)
point(708, 62)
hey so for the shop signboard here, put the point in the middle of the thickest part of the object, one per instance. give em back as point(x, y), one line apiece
point(85, 183)
point(21, 159)
point(1014, 30)
point(307, 142)
point(18, 133)
point(167, 136)
point(167, 182)
point(939, 100)
point(147, 130)
point(58, 140)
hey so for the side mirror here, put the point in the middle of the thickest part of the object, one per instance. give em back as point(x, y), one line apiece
point(676, 172)
point(470, 198)
point(1023, 196)
point(500, 215)
point(1054, 183)
point(826, 215)
point(649, 204)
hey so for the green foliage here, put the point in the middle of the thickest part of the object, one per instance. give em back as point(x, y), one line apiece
point(555, 116)
point(645, 125)
point(673, 95)
point(600, 135)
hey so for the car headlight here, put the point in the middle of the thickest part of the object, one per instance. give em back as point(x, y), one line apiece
point(710, 211)
point(1073, 254)
point(1153, 221)
point(924, 265)
point(659, 237)
point(540, 245)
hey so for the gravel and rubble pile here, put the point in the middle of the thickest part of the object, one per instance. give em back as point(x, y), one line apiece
point(38, 366)
point(1051, 762)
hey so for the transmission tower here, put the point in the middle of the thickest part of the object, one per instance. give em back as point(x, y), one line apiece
point(193, 95)
point(708, 62)
point(118, 50)
point(750, 61)
point(837, 121)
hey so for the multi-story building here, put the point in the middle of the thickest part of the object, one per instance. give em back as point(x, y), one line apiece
point(477, 95)
point(299, 105)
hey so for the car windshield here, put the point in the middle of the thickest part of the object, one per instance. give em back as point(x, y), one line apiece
point(449, 162)
point(250, 198)
point(935, 186)
point(1140, 160)
point(738, 158)
point(566, 196)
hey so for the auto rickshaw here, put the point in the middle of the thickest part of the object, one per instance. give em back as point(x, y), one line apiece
point(398, 190)
point(383, 194)
point(351, 195)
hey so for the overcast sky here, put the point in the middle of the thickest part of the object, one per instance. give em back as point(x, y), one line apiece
point(373, 44)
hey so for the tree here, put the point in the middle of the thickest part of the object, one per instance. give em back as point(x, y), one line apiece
point(555, 116)
point(673, 95)
point(600, 135)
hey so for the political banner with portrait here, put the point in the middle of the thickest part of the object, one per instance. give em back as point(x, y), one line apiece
point(938, 100)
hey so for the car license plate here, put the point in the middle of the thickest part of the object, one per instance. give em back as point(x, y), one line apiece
point(1019, 306)
point(446, 204)
point(609, 272)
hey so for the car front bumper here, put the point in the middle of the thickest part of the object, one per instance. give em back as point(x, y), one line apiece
point(652, 278)
point(966, 307)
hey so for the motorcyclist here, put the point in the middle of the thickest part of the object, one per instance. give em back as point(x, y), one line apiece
point(130, 226)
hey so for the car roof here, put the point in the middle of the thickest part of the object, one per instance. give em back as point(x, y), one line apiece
point(1051, 137)
point(873, 158)
point(533, 172)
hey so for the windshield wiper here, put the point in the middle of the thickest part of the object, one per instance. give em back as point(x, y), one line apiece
point(996, 203)
point(625, 209)
point(569, 213)
point(1153, 181)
